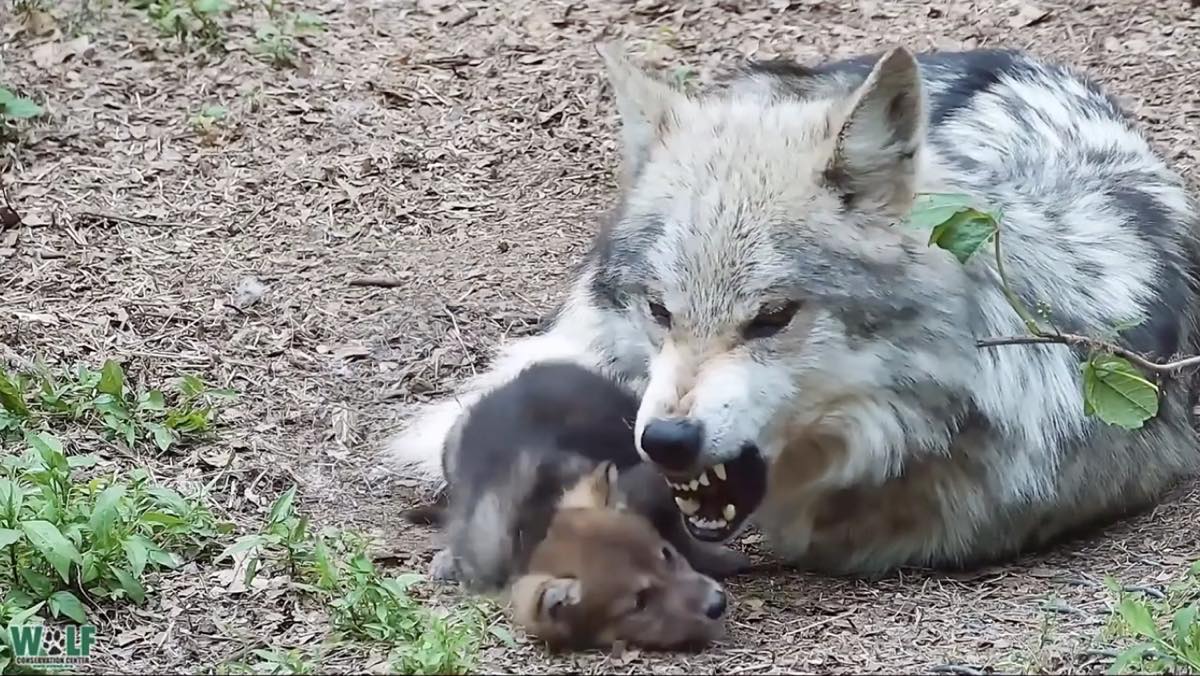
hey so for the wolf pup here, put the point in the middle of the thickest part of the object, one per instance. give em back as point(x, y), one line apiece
point(603, 574)
point(509, 462)
point(759, 290)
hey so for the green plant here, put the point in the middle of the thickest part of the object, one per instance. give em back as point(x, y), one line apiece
point(205, 122)
point(276, 39)
point(64, 538)
point(13, 614)
point(1167, 629)
point(1114, 389)
point(334, 566)
point(186, 19)
point(185, 412)
point(13, 109)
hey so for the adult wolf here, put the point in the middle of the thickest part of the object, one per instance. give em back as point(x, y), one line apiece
point(755, 286)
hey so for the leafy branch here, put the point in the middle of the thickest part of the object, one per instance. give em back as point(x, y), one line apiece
point(1114, 390)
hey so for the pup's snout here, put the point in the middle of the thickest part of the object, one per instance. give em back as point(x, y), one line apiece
point(715, 604)
point(673, 443)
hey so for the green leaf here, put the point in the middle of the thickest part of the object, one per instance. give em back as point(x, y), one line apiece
point(210, 6)
point(1184, 624)
point(68, 604)
point(112, 380)
point(1116, 393)
point(164, 436)
point(130, 584)
point(8, 536)
point(162, 518)
point(136, 553)
point(1130, 657)
point(46, 445)
point(964, 233)
point(932, 209)
point(1137, 615)
point(243, 544)
point(169, 498)
point(47, 539)
point(11, 398)
point(105, 511)
point(504, 635)
point(152, 401)
point(78, 461)
point(19, 108)
point(283, 506)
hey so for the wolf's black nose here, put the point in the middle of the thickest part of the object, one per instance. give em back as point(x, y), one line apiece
point(674, 444)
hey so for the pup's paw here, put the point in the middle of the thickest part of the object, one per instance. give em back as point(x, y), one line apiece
point(444, 567)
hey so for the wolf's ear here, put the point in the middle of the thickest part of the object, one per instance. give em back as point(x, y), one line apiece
point(873, 158)
point(595, 490)
point(644, 103)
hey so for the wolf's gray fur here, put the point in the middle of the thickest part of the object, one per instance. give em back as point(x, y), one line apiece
point(892, 439)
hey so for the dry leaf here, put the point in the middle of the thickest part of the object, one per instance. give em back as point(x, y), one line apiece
point(1028, 15)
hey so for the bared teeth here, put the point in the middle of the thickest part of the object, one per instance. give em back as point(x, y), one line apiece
point(694, 485)
point(708, 524)
point(704, 479)
point(687, 506)
point(730, 512)
point(719, 470)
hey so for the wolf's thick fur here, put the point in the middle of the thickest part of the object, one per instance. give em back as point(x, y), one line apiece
point(892, 439)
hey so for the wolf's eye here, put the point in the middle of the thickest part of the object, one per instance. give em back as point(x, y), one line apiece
point(660, 314)
point(771, 319)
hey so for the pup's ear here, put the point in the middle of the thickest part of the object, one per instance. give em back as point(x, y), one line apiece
point(644, 103)
point(539, 600)
point(595, 490)
point(872, 162)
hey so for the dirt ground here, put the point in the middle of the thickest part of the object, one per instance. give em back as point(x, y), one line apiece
point(466, 150)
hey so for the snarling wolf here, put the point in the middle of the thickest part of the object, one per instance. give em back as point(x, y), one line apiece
point(758, 288)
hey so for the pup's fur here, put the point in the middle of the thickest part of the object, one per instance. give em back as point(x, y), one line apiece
point(892, 439)
point(520, 449)
point(602, 574)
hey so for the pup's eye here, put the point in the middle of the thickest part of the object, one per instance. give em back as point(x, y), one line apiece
point(660, 314)
point(771, 319)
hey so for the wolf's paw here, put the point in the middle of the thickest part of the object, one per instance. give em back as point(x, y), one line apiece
point(444, 567)
point(718, 562)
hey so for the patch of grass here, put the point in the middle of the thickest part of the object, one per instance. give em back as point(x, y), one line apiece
point(68, 541)
point(365, 606)
point(1166, 630)
point(167, 417)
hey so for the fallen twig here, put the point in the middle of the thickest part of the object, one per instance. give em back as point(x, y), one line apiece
point(379, 280)
point(1083, 341)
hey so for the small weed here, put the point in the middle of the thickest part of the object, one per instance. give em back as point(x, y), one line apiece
point(64, 538)
point(13, 109)
point(186, 19)
point(276, 662)
point(184, 413)
point(1167, 629)
point(365, 606)
point(277, 38)
point(205, 122)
